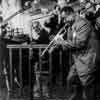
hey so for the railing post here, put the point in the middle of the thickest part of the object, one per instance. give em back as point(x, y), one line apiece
point(50, 74)
point(10, 60)
point(60, 62)
point(40, 76)
point(20, 69)
point(31, 74)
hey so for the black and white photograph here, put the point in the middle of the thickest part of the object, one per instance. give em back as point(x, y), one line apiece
point(49, 49)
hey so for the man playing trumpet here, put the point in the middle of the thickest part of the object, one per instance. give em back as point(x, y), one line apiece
point(82, 42)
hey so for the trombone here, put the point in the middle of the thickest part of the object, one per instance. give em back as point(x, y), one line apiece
point(44, 16)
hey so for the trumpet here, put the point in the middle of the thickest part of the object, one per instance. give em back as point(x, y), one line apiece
point(65, 27)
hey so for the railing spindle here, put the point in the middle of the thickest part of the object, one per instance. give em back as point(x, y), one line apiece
point(11, 76)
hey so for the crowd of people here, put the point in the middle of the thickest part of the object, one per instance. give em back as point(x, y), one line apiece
point(81, 40)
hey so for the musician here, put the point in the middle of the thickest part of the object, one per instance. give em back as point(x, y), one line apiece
point(39, 35)
point(82, 43)
point(3, 56)
point(58, 70)
point(52, 23)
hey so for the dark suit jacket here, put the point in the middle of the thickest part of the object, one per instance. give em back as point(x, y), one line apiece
point(43, 37)
point(84, 49)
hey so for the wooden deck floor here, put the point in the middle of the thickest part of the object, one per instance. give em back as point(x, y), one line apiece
point(58, 94)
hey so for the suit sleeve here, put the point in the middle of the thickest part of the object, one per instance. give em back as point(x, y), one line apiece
point(81, 34)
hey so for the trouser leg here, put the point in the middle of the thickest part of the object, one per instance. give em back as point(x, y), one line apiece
point(4, 81)
point(6, 78)
point(74, 85)
point(89, 92)
point(71, 88)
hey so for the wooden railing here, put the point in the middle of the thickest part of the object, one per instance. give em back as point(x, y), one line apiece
point(30, 49)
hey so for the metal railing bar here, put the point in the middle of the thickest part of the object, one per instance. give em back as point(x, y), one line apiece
point(20, 66)
point(40, 68)
point(30, 50)
point(50, 73)
point(60, 62)
point(10, 60)
point(26, 46)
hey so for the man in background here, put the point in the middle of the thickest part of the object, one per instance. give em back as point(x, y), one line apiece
point(39, 34)
point(3, 56)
